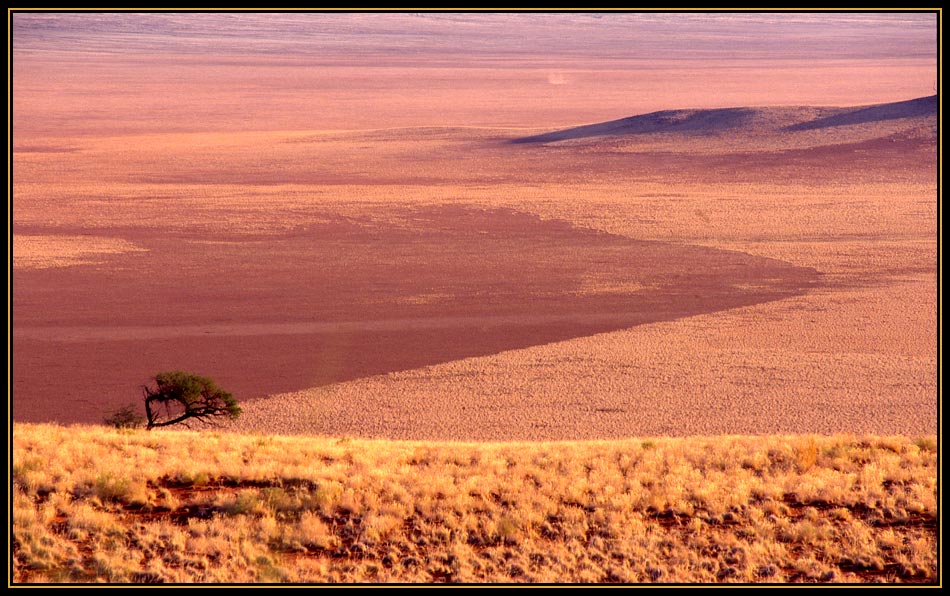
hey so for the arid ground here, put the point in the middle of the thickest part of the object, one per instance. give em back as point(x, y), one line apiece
point(560, 297)
point(382, 273)
point(594, 288)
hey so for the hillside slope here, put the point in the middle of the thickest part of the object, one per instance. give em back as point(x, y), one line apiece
point(750, 121)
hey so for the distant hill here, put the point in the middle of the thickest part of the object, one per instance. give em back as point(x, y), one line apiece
point(914, 108)
point(754, 120)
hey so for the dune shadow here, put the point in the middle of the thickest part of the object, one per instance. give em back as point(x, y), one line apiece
point(666, 121)
point(914, 108)
point(343, 299)
point(714, 121)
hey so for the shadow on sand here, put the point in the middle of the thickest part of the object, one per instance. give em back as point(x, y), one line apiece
point(345, 299)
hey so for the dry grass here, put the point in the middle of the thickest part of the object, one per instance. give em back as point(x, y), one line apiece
point(98, 505)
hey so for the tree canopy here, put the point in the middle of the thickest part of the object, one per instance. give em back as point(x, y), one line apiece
point(181, 397)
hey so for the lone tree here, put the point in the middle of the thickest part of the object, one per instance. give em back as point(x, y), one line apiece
point(179, 397)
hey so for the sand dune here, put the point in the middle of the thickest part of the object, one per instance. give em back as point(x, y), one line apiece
point(758, 121)
point(922, 107)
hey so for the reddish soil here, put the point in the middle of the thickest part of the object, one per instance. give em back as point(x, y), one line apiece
point(347, 299)
point(306, 202)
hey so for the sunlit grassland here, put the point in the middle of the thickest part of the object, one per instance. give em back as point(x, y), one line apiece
point(92, 504)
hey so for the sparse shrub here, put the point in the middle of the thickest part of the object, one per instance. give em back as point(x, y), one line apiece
point(278, 500)
point(245, 503)
point(311, 532)
point(192, 478)
point(508, 530)
point(110, 488)
point(806, 454)
point(380, 527)
point(123, 490)
point(324, 496)
point(25, 467)
point(125, 417)
point(890, 444)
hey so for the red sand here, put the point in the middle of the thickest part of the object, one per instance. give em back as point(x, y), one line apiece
point(323, 208)
point(340, 301)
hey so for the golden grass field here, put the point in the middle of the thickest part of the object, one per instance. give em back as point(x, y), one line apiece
point(645, 300)
point(99, 505)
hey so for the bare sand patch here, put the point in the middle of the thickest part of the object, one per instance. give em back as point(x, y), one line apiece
point(45, 251)
point(850, 366)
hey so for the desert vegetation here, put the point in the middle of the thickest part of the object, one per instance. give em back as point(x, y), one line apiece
point(98, 505)
point(180, 397)
point(177, 397)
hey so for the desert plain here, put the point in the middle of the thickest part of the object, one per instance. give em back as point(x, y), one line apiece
point(480, 228)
